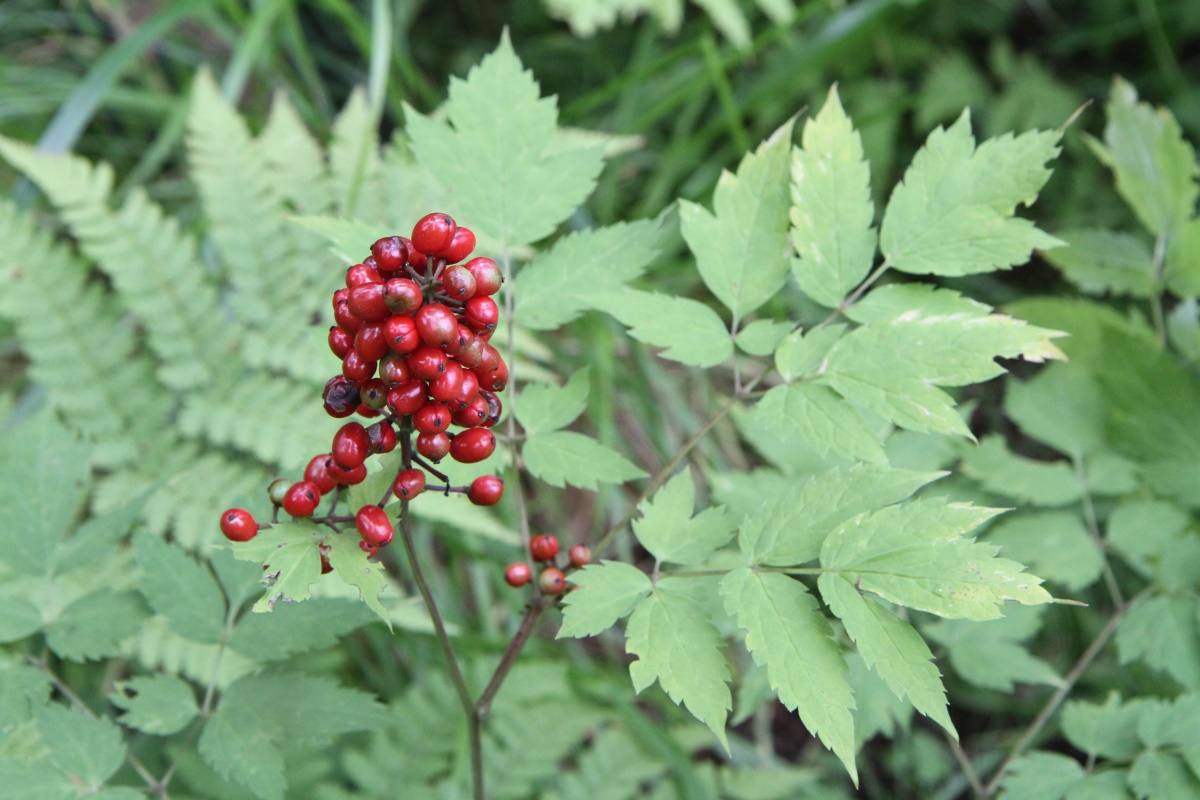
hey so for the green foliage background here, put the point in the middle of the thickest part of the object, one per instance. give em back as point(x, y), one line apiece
point(159, 362)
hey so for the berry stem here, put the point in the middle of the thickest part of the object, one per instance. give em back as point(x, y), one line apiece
point(430, 469)
point(511, 422)
point(509, 658)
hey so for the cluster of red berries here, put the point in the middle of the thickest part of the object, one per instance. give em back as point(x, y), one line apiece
point(544, 549)
point(413, 330)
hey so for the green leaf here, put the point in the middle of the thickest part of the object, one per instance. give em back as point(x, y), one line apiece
point(790, 530)
point(87, 749)
point(236, 747)
point(1111, 784)
point(677, 645)
point(831, 211)
point(566, 457)
point(741, 247)
point(96, 538)
point(914, 555)
point(327, 710)
point(30, 780)
point(1041, 776)
point(1162, 632)
point(21, 618)
point(508, 178)
point(1103, 730)
point(1156, 775)
point(544, 408)
point(1053, 543)
point(953, 212)
point(1061, 406)
point(41, 488)
point(786, 632)
point(891, 647)
point(351, 566)
point(669, 531)
point(94, 626)
point(989, 654)
point(348, 238)
point(879, 710)
point(1182, 268)
point(1039, 483)
point(894, 367)
point(1100, 261)
point(289, 552)
point(690, 332)
point(295, 628)
point(180, 589)
point(802, 352)
point(557, 286)
point(159, 705)
point(1153, 538)
point(821, 418)
point(904, 299)
point(761, 337)
point(607, 592)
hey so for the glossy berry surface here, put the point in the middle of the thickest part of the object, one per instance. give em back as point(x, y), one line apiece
point(487, 274)
point(340, 342)
point(390, 253)
point(431, 418)
point(238, 525)
point(458, 283)
point(433, 233)
point(374, 526)
point(486, 490)
point(408, 397)
point(317, 471)
point(579, 555)
point(481, 313)
point(427, 362)
point(473, 445)
point(433, 446)
point(381, 437)
point(552, 581)
point(461, 245)
point(408, 484)
point(517, 574)
point(350, 445)
point(302, 499)
point(543, 547)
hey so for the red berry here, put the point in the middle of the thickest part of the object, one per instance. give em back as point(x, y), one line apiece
point(401, 333)
point(461, 245)
point(433, 232)
point(436, 324)
point(351, 445)
point(277, 490)
point(326, 567)
point(357, 368)
point(238, 525)
point(486, 490)
point(408, 484)
point(473, 445)
point(495, 380)
point(340, 342)
point(402, 295)
point(482, 313)
point(371, 341)
point(490, 360)
point(495, 409)
point(367, 302)
point(347, 477)
point(317, 471)
point(552, 581)
point(427, 362)
point(433, 446)
point(371, 550)
point(374, 526)
point(579, 555)
point(362, 274)
point(381, 437)
point(466, 392)
point(543, 547)
point(488, 276)
point(408, 397)
point(393, 369)
point(462, 339)
point(517, 574)
point(366, 411)
point(390, 253)
point(431, 418)
point(416, 259)
point(445, 387)
point(458, 282)
point(474, 415)
point(345, 318)
point(302, 499)
point(471, 355)
point(341, 396)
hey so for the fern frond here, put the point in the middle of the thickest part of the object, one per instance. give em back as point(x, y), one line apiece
point(296, 160)
point(79, 348)
point(151, 262)
point(354, 163)
point(156, 647)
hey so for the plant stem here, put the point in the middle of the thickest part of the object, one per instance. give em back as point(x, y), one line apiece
point(509, 659)
point(965, 763)
point(1093, 529)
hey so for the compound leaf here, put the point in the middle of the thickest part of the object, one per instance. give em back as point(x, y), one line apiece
point(159, 705)
point(566, 457)
point(544, 407)
point(180, 589)
point(690, 332)
point(94, 626)
point(1162, 632)
point(87, 749)
point(1100, 261)
point(821, 418)
point(239, 750)
point(297, 628)
point(1039, 483)
point(669, 531)
point(1041, 776)
point(607, 591)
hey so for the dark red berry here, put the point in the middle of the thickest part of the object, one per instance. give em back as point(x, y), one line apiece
point(416, 259)
point(371, 341)
point(579, 555)
point(373, 394)
point(458, 282)
point(408, 397)
point(433, 233)
point(431, 418)
point(408, 484)
point(302, 499)
point(341, 395)
point(473, 445)
point(482, 313)
point(326, 567)
point(393, 369)
point(427, 362)
point(466, 392)
point(543, 547)
point(356, 368)
point(362, 274)
point(340, 342)
point(471, 356)
point(317, 471)
point(552, 581)
point(371, 550)
point(390, 253)
point(351, 445)
point(401, 333)
point(495, 380)
point(488, 276)
point(347, 477)
point(374, 526)
point(433, 446)
point(474, 415)
point(445, 387)
point(462, 339)
point(402, 295)
point(366, 411)
point(517, 574)
point(461, 245)
point(381, 437)
point(366, 302)
point(436, 324)
point(345, 318)
point(494, 406)
point(486, 490)
point(238, 525)
point(490, 360)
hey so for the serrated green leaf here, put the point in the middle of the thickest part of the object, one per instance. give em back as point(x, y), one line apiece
point(677, 644)
point(96, 537)
point(821, 418)
point(557, 286)
point(1100, 261)
point(894, 367)
point(21, 618)
point(1162, 632)
point(328, 710)
point(953, 212)
point(741, 246)
point(1055, 544)
point(351, 566)
point(1156, 775)
point(1152, 536)
point(831, 211)
point(544, 408)
point(789, 530)
point(690, 332)
point(1111, 784)
point(897, 299)
point(786, 632)
point(348, 239)
point(506, 178)
point(566, 457)
point(761, 337)
point(801, 352)
point(915, 555)
point(159, 704)
point(607, 592)
point(1170, 724)
point(236, 747)
point(669, 531)
point(1039, 483)
point(1062, 406)
point(87, 749)
point(879, 710)
point(990, 654)
point(891, 647)
point(1182, 268)
point(180, 589)
point(1041, 776)
point(30, 780)
point(94, 626)
point(290, 554)
point(1103, 730)
point(297, 628)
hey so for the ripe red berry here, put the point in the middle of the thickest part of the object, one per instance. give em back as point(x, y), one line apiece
point(486, 490)
point(357, 368)
point(433, 446)
point(366, 411)
point(458, 282)
point(433, 233)
point(474, 415)
point(371, 341)
point(390, 253)
point(362, 274)
point(427, 362)
point(461, 245)
point(517, 574)
point(367, 302)
point(466, 392)
point(471, 355)
point(345, 318)
point(341, 396)
point(340, 342)
point(488, 275)
point(552, 581)
point(371, 550)
point(408, 397)
point(473, 445)
point(543, 547)
point(381, 437)
point(431, 418)
point(374, 526)
point(579, 555)
point(302, 499)
point(482, 313)
point(326, 567)
point(401, 333)
point(436, 324)
point(351, 445)
point(408, 484)
point(416, 259)
point(490, 360)
point(462, 339)
point(347, 477)
point(317, 471)
point(495, 380)
point(393, 369)
point(402, 295)
point(445, 387)
point(238, 525)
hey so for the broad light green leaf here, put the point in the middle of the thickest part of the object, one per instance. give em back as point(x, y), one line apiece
point(891, 647)
point(789, 531)
point(915, 555)
point(31, 780)
point(160, 704)
point(1157, 775)
point(239, 750)
point(349, 239)
point(953, 212)
point(180, 589)
point(95, 538)
point(1061, 406)
point(1041, 776)
point(822, 419)
point(1152, 536)
point(786, 632)
point(1053, 543)
point(761, 337)
point(21, 618)
point(291, 558)
point(677, 644)
point(802, 352)
point(897, 299)
point(328, 710)
point(831, 211)
point(894, 367)
point(1039, 483)
point(669, 531)
point(1162, 632)
point(990, 654)
point(496, 152)
point(879, 710)
point(545, 408)
point(351, 566)
point(690, 332)
point(566, 457)
point(87, 749)
point(741, 247)
point(1099, 261)
point(297, 628)
point(557, 286)
point(1182, 269)
point(1170, 724)
point(607, 592)
point(41, 486)
point(94, 626)
point(1103, 730)
point(1111, 784)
